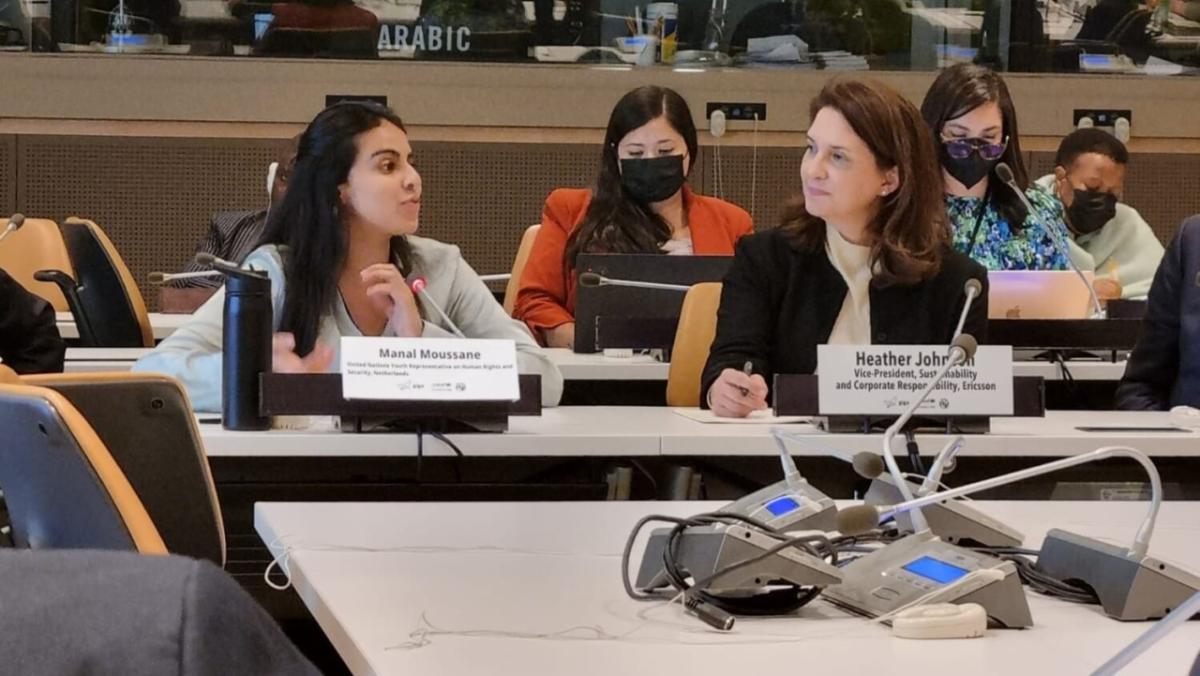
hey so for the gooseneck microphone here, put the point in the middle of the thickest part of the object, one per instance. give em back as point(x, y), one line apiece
point(14, 224)
point(961, 349)
point(417, 283)
point(594, 279)
point(164, 277)
point(972, 288)
point(220, 264)
point(1004, 173)
point(862, 518)
point(1180, 615)
point(945, 458)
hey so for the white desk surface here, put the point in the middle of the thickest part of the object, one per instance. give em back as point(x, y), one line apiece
point(162, 325)
point(1053, 435)
point(574, 431)
point(644, 367)
point(565, 431)
point(89, 359)
point(557, 569)
point(577, 366)
point(598, 367)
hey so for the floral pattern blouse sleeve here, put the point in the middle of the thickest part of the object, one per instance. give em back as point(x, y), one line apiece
point(997, 246)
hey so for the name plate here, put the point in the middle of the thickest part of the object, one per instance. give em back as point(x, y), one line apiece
point(429, 369)
point(887, 379)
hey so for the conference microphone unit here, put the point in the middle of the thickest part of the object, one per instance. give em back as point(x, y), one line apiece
point(1130, 584)
point(955, 521)
point(14, 224)
point(789, 504)
point(593, 279)
point(417, 284)
point(962, 349)
point(1004, 173)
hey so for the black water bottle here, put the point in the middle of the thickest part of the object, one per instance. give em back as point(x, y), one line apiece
point(246, 342)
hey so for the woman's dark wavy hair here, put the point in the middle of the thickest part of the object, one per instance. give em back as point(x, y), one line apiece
point(307, 224)
point(957, 91)
point(910, 232)
point(615, 222)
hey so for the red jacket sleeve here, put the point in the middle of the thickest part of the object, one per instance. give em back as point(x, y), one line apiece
point(717, 225)
point(544, 296)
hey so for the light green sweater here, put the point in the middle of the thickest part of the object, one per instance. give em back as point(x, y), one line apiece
point(1125, 249)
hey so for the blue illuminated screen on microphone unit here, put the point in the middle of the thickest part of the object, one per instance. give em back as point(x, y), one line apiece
point(933, 569)
point(782, 505)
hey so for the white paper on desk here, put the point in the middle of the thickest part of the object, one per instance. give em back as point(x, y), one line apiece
point(764, 417)
point(429, 369)
point(1157, 66)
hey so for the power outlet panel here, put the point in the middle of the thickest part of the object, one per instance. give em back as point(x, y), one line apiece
point(1102, 117)
point(737, 111)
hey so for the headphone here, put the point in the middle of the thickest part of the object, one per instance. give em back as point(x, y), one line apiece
point(272, 169)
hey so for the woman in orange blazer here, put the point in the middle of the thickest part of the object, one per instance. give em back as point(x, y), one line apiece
point(640, 205)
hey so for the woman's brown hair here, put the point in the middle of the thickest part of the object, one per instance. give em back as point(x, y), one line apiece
point(957, 91)
point(910, 231)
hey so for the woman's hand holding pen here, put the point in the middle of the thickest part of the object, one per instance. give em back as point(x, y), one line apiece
point(736, 394)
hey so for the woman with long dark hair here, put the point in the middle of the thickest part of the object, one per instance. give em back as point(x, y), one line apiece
point(338, 249)
point(974, 125)
point(863, 257)
point(641, 204)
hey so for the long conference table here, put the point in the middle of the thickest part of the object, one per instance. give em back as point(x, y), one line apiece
point(161, 324)
point(637, 431)
point(534, 588)
point(598, 367)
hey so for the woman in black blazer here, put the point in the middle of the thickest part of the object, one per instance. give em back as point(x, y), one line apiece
point(862, 257)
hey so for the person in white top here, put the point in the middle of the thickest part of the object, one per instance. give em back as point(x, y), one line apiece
point(337, 250)
point(863, 257)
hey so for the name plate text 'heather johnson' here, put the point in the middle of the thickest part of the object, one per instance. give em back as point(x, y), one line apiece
point(887, 379)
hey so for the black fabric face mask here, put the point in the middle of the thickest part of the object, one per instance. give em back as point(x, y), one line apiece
point(1090, 210)
point(652, 179)
point(969, 170)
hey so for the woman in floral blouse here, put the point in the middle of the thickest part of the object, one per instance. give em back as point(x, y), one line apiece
point(974, 124)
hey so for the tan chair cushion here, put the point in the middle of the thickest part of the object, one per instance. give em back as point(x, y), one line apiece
point(38, 245)
point(693, 339)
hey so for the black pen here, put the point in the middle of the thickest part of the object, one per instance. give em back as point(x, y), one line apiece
point(748, 369)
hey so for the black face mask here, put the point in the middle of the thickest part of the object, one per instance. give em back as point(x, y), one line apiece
point(1090, 210)
point(969, 170)
point(652, 179)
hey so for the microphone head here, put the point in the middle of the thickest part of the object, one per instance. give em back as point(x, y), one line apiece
point(205, 258)
point(965, 342)
point(157, 277)
point(867, 465)
point(973, 287)
point(416, 282)
point(1004, 173)
point(857, 520)
point(16, 221)
point(589, 279)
